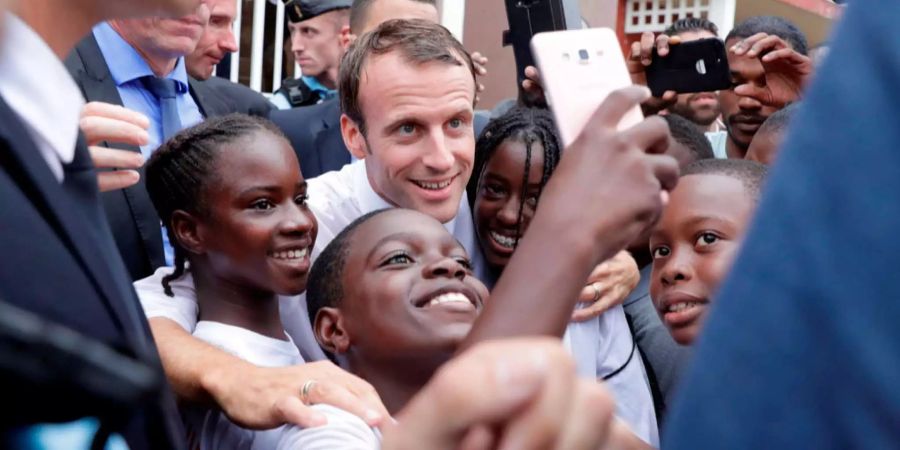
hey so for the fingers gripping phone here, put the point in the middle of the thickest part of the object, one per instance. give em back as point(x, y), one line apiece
point(694, 66)
point(579, 69)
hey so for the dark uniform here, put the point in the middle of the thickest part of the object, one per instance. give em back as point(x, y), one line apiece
point(295, 90)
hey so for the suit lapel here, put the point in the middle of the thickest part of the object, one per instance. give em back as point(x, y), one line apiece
point(210, 102)
point(61, 210)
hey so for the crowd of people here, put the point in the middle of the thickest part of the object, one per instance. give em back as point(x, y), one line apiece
point(368, 260)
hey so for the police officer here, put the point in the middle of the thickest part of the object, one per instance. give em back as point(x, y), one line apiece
point(315, 27)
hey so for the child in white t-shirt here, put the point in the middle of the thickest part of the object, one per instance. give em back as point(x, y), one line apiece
point(233, 201)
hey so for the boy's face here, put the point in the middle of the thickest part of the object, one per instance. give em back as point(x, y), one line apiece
point(408, 288)
point(419, 144)
point(499, 199)
point(693, 246)
point(685, 157)
point(259, 231)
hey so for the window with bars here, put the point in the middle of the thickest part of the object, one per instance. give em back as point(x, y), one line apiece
point(656, 15)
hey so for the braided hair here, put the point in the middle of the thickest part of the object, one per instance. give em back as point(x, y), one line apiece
point(525, 125)
point(179, 171)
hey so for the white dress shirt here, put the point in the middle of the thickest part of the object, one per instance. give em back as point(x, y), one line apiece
point(37, 86)
point(337, 199)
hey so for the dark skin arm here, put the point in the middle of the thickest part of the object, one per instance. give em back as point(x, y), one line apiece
point(581, 221)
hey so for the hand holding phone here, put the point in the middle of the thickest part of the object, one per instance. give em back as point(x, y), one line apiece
point(694, 66)
point(578, 70)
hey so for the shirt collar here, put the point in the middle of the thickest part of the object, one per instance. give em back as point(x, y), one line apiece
point(368, 200)
point(129, 64)
point(313, 84)
point(47, 100)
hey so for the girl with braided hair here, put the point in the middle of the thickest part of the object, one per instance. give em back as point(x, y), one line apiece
point(233, 201)
point(515, 156)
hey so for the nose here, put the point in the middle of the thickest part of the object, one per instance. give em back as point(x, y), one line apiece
point(438, 156)
point(297, 220)
point(749, 103)
point(677, 269)
point(228, 42)
point(445, 268)
point(296, 42)
point(509, 213)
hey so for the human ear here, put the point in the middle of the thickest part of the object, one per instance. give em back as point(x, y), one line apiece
point(353, 137)
point(346, 37)
point(187, 231)
point(330, 331)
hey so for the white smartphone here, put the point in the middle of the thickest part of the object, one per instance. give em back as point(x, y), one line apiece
point(579, 68)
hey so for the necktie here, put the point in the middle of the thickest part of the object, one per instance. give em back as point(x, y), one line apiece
point(166, 91)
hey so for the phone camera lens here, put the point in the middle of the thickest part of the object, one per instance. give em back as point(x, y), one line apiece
point(583, 54)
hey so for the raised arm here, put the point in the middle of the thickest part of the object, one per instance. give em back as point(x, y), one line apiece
point(606, 190)
point(256, 397)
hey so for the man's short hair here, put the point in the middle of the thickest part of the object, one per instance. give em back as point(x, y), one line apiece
point(778, 26)
point(325, 287)
point(778, 122)
point(688, 134)
point(359, 13)
point(418, 41)
point(750, 173)
point(691, 24)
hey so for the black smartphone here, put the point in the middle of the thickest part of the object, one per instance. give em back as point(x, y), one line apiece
point(694, 66)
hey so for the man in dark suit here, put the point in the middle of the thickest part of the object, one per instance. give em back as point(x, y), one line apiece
point(59, 260)
point(216, 42)
point(141, 53)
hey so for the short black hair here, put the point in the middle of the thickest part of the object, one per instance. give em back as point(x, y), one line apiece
point(779, 121)
point(359, 12)
point(691, 24)
point(326, 285)
point(774, 25)
point(179, 171)
point(688, 134)
point(750, 173)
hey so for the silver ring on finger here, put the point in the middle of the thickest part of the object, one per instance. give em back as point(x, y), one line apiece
point(304, 392)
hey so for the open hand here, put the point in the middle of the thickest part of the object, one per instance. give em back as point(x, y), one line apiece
point(786, 70)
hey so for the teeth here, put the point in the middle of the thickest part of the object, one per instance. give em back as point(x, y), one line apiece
point(505, 241)
point(434, 186)
point(678, 307)
point(453, 297)
point(291, 254)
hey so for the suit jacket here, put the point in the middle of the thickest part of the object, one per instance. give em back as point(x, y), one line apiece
point(315, 134)
point(134, 221)
point(59, 262)
point(243, 99)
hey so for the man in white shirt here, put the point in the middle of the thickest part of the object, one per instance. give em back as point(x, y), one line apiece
point(410, 125)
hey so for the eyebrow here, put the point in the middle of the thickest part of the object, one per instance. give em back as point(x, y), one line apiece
point(270, 188)
point(694, 221)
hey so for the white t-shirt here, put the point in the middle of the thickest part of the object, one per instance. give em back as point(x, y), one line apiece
point(210, 429)
point(337, 199)
point(340, 197)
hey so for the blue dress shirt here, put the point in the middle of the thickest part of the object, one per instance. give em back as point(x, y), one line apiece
point(127, 67)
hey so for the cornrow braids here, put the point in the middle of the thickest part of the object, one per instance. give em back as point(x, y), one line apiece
point(526, 125)
point(179, 171)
